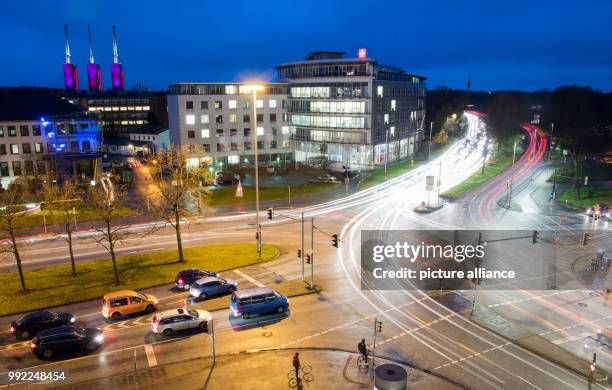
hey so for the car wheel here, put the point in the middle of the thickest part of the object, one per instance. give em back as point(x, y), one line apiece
point(150, 309)
point(167, 331)
point(47, 353)
point(24, 335)
point(280, 309)
point(115, 316)
point(186, 287)
point(203, 296)
point(204, 326)
point(246, 315)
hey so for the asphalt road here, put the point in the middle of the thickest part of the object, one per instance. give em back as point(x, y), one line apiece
point(416, 327)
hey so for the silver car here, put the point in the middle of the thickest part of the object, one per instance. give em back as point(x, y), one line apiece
point(170, 321)
point(212, 286)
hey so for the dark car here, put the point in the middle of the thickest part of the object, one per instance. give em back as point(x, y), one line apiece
point(601, 210)
point(185, 278)
point(212, 286)
point(52, 342)
point(32, 323)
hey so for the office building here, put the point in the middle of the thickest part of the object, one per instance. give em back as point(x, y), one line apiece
point(353, 110)
point(216, 119)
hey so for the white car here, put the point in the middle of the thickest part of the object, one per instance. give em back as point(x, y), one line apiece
point(170, 321)
point(326, 179)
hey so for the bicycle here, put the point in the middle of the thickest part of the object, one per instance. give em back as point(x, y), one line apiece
point(362, 363)
point(306, 376)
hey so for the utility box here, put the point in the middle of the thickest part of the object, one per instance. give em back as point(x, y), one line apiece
point(390, 377)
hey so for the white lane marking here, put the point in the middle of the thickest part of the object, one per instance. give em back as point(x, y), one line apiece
point(571, 338)
point(529, 383)
point(150, 355)
point(250, 279)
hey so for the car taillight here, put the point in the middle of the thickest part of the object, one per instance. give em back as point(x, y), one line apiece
point(34, 346)
point(12, 330)
point(180, 281)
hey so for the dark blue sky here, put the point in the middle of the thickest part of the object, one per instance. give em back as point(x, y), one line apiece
point(512, 44)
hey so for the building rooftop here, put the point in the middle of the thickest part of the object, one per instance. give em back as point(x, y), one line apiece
point(33, 107)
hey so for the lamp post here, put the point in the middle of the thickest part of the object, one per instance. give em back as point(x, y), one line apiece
point(430, 129)
point(254, 89)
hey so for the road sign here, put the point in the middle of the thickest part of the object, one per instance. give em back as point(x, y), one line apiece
point(429, 183)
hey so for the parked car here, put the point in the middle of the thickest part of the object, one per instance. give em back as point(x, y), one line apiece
point(601, 210)
point(185, 278)
point(604, 336)
point(211, 286)
point(259, 300)
point(121, 303)
point(170, 321)
point(51, 342)
point(32, 323)
point(326, 179)
point(226, 177)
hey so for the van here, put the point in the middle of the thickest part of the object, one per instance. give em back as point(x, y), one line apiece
point(122, 303)
point(254, 301)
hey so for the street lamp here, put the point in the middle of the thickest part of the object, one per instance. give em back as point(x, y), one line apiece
point(254, 89)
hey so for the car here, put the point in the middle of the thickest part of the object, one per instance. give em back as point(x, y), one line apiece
point(327, 178)
point(601, 210)
point(30, 324)
point(121, 303)
point(54, 341)
point(604, 336)
point(270, 169)
point(170, 321)
point(259, 300)
point(211, 286)
point(186, 277)
point(226, 177)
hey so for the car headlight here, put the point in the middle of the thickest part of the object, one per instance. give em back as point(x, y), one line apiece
point(99, 339)
point(156, 301)
point(72, 319)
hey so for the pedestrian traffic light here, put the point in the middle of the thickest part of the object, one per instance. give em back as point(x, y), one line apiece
point(270, 213)
point(534, 238)
point(585, 238)
point(378, 326)
point(335, 240)
point(257, 236)
point(299, 253)
point(307, 258)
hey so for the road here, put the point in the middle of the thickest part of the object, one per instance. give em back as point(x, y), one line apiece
point(417, 327)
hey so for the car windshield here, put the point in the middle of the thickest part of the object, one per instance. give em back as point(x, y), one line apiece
point(141, 296)
point(192, 312)
point(223, 281)
point(80, 332)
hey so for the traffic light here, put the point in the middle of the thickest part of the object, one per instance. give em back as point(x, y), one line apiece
point(585, 238)
point(299, 253)
point(534, 238)
point(257, 236)
point(307, 258)
point(270, 213)
point(377, 326)
point(335, 240)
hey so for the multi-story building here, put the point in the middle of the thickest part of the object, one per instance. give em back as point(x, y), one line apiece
point(47, 137)
point(350, 109)
point(216, 118)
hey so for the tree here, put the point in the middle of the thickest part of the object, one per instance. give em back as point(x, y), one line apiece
point(441, 137)
point(12, 208)
point(582, 122)
point(105, 200)
point(505, 113)
point(178, 175)
point(65, 200)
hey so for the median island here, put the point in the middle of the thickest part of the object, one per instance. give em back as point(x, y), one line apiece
point(54, 286)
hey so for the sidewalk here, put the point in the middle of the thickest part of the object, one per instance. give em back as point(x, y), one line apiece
point(259, 370)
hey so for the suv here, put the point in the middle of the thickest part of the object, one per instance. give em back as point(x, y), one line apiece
point(214, 285)
point(32, 323)
point(66, 338)
point(121, 303)
point(170, 321)
point(185, 278)
point(260, 300)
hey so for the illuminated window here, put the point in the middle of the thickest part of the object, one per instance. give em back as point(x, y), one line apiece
point(218, 104)
point(130, 108)
point(146, 108)
point(285, 143)
point(107, 108)
point(392, 131)
point(379, 91)
point(230, 90)
point(233, 159)
point(125, 122)
point(14, 149)
point(231, 104)
point(260, 131)
point(139, 108)
point(393, 105)
point(205, 133)
point(123, 108)
point(272, 103)
point(190, 119)
point(259, 104)
point(233, 118)
point(204, 119)
point(139, 122)
point(386, 120)
point(285, 130)
point(115, 108)
point(92, 108)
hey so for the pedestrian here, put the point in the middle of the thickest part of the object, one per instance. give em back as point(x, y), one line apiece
point(296, 364)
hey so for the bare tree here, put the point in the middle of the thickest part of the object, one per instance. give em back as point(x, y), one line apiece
point(65, 200)
point(12, 208)
point(178, 175)
point(106, 201)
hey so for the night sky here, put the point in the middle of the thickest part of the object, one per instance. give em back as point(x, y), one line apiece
point(526, 45)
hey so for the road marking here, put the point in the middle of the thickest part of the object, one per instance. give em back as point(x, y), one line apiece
point(571, 338)
point(250, 279)
point(526, 381)
point(150, 355)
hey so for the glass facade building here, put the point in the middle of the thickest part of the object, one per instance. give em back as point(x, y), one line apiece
point(353, 110)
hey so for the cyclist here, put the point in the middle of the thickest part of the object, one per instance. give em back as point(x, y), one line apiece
point(363, 350)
